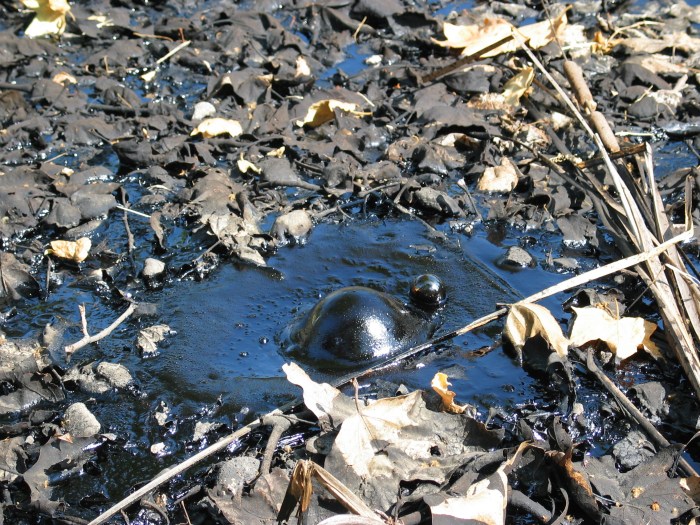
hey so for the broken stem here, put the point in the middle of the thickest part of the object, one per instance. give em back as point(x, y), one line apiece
point(87, 339)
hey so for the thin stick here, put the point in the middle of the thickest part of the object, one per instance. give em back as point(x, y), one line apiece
point(624, 402)
point(87, 339)
point(129, 210)
point(175, 50)
point(171, 473)
point(83, 320)
point(129, 236)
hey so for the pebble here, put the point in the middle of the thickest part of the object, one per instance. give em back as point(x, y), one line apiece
point(118, 376)
point(153, 272)
point(79, 422)
point(234, 473)
point(517, 257)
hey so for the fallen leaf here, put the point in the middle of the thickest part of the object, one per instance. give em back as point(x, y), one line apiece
point(440, 384)
point(302, 68)
point(391, 440)
point(516, 87)
point(277, 153)
point(245, 165)
point(322, 111)
point(213, 127)
point(64, 78)
point(484, 502)
point(76, 251)
point(50, 18)
point(148, 338)
point(473, 39)
point(501, 179)
point(623, 336)
point(527, 320)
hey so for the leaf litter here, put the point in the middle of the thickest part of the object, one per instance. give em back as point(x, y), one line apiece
point(450, 122)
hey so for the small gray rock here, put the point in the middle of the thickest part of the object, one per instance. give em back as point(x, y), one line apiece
point(516, 257)
point(234, 473)
point(294, 226)
point(78, 421)
point(633, 449)
point(153, 273)
point(116, 375)
point(152, 268)
point(86, 380)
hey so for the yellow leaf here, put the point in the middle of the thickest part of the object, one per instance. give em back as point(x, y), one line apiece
point(76, 251)
point(302, 68)
point(277, 153)
point(527, 320)
point(213, 127)
point(64, 78)
point(473, 39)
point(501, 179)
point(322, 111)
point(440, 384)
point(516, 87)
point(623, 336)
point(50, 18)
point(245, 165)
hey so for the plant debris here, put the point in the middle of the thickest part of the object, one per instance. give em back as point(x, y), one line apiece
point(143, 148)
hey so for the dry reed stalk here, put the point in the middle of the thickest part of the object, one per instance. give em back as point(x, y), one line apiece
point(675, 296)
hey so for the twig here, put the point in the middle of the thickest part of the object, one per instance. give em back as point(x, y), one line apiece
point(129, 236)
point(280, 425)
point(88, 339)
point(129, 210)
point(171, 473)
point(629, 408)
point(174, 51)
point(83, 320)
point(463, 61)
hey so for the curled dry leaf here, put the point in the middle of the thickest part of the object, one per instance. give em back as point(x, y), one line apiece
point(527, 320)
point(213, 127)
point(322, 111)
point(484, 502)
point(440, 384)
point(623, 336)
point(501, 179)
point(63, 78)
point(473, 39)
point(50, 17)
point(517, 86)
point(245, 165)
point(302, 67)
point(76, 251)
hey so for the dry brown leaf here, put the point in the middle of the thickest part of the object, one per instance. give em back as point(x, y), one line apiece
point(440, 384)
point(323, 111)
point(501, 179)
point(50, 18)
point(527, 320)
point(623, 336)
point(678, 41)
point(213, 127)
point(245, 165)
point(63, 78)
point(76, 251)
point(484, 502)
point(318, 397)
point(472, 39)
point(516, 87)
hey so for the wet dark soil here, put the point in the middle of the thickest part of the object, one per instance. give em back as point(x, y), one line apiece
point(374, 196)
